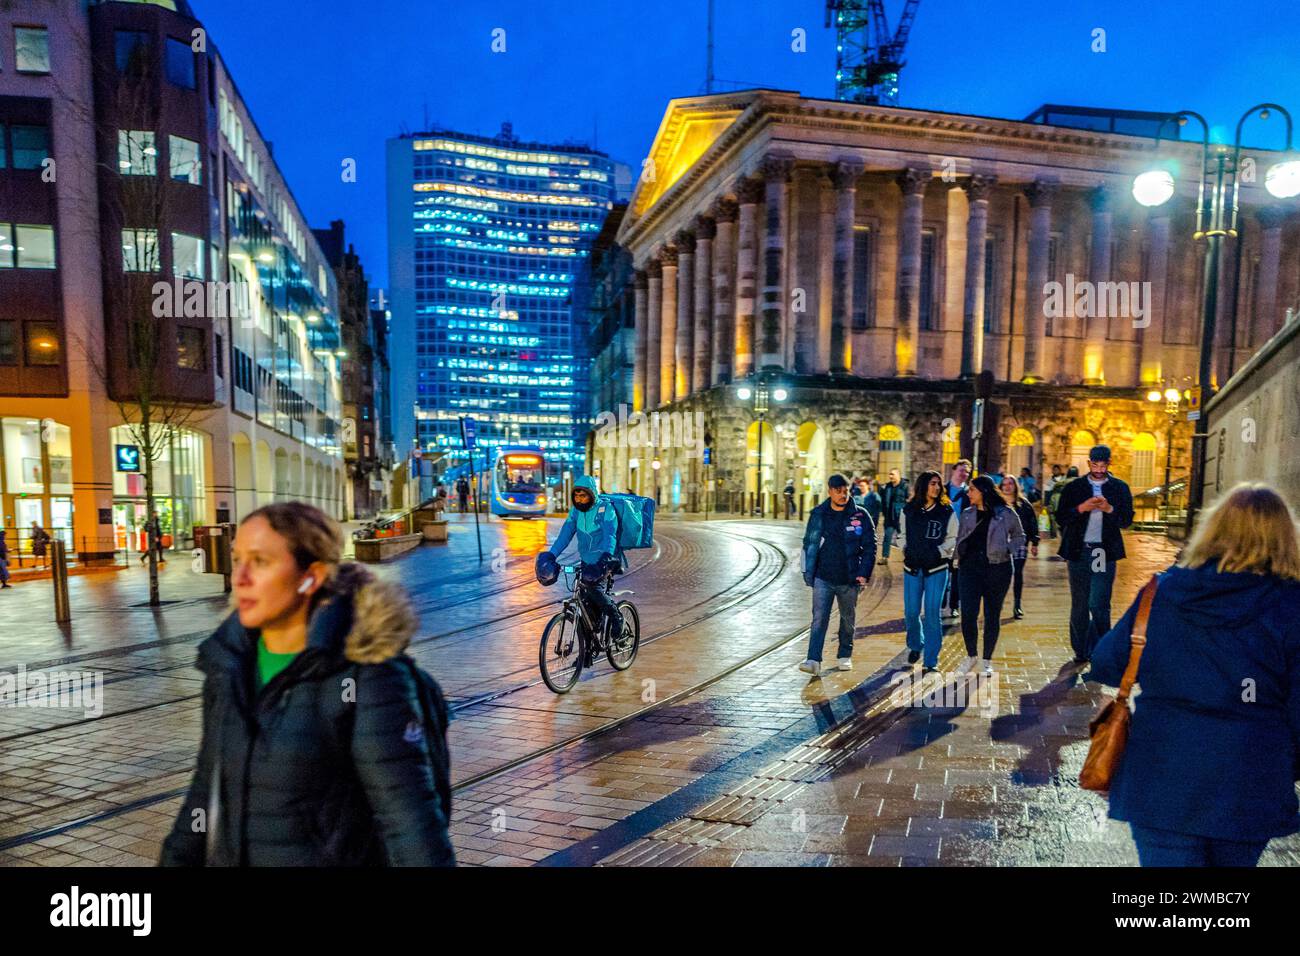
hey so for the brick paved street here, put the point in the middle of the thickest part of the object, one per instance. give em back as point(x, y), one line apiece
point(712, 750)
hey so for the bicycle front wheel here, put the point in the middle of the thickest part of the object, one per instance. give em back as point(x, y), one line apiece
point(622, 648)
point(560, 653)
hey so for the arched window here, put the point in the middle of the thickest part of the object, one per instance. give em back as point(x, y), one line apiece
point(1020, 452)
point(891, 452)
point(1142, 475)
point(1079, 447)
point(951, 445)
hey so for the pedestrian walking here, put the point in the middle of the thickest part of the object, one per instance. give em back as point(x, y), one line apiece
point(1092, 511)
point(839, 553)
point(40, 538)
point(893, 495)
point(1029, 523)
point(323, 744)
point(868, 499)
point(4, 561)
point(1208, 774)
point(788, 493)
point(988, 534)
point(1028, 486)
point(958, 497)
point(928, 536)
point(462, 494)
point(153, 539)
point(1052, 489)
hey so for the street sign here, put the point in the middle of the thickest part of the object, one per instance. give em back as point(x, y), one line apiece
point(468, 431)
point(128, 458)
point(708, 455)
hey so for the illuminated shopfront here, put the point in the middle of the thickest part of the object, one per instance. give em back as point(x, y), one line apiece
point(180, 491)
point(36, 477)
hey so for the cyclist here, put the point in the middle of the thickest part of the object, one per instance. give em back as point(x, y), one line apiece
point(595, 524)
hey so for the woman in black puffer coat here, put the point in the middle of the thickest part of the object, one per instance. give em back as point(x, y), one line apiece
point(313, 750)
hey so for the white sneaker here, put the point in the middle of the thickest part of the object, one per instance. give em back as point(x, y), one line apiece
point(966, 666)
point(988, 668)
point(811, 667)
point(845, 663)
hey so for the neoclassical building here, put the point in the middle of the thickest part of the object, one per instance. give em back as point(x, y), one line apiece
point(867, 262)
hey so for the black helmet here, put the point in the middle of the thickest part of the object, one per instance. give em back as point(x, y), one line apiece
point(547, 569)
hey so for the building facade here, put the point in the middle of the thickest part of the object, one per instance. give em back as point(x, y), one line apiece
point(611, 330)
point(864, 263)
point(155, 255)
point(488, 237)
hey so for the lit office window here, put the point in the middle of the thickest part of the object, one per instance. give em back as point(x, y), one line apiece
point(185, 160)
point(137, 154)
point(140, 250)
point(31, 146)
point(180, 64)
point(187, 256)
point(42, 344)
point(34, 247)
point(31, 49)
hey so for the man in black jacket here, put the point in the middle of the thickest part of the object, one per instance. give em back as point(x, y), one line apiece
point(893, 495)
point(839, 552)
point(1091, 513)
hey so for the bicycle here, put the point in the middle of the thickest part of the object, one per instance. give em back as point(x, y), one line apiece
point(570, 641)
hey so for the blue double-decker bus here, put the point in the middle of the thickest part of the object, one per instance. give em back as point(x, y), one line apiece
point(517, 486)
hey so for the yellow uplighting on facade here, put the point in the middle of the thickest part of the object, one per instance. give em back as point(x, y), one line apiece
point(684, 140)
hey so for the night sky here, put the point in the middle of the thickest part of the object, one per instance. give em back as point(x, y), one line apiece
point(327, 80)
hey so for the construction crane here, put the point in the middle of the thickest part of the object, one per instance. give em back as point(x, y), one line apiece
point(868, 56)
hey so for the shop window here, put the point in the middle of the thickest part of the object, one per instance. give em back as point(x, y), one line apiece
point(137, 152)
point(180, 64)
point(31, 49)
point(140, 250)
point(189, 349)
point(34, 248)
point(184, 160)
point(132, 51)
point(8, 343)
point(187, 256)
point(31, 146)
point(24, 474)
point(42, 344)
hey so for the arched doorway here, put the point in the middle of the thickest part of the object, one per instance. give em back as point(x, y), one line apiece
point(811, 464)
point(1080, 445)
point(265, 474)
point(245, 484)
point(1142, 476)
point(892, 453)
point(281, 474)
point(753, 457)
point(951, 446)
point(1020, 452)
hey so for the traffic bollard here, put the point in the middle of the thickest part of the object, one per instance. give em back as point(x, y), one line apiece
point(59, 570)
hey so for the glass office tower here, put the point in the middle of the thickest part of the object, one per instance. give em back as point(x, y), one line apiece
point(488, 242)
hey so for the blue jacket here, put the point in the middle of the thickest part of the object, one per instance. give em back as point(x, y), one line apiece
point(861, 545)
point(596, 529)
point(1213, 746)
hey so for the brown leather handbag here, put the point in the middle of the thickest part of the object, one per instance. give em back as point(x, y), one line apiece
point(1109, 729)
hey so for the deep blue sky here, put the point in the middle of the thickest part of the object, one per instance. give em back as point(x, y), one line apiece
point(328, 79)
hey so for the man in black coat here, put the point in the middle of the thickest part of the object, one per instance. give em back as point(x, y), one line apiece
point(1091, 513)
point(893, 495)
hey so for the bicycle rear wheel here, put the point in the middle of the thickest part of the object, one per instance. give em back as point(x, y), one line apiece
point(560, 653)
point(622, 648)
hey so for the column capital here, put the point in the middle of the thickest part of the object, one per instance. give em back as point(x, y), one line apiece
point(978, 187)
point(725, 210)
point(705, 228)
point(685, 242)
point(913, 181)
point(654, 270)
point(1271, 216)
point(776, 167)
point(640, 280)
point(844, 174)
point(749, 191)
point(1101, 197)
point(668, 255)
point(1041, 192)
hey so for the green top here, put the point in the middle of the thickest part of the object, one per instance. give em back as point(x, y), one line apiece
point(269, 664)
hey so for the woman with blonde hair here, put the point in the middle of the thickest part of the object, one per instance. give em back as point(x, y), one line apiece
point(322, 742)
point(1208, 776)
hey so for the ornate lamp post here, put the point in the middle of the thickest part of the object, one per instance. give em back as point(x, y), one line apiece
point(1214, 221)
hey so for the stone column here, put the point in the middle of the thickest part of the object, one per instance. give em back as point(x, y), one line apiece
point(724, 261)
point(668, 326)
point(701, 349)
point(641, 283)
point(749, 192)
point(776, 173)
point(825, 272)
point(1099, 266)
point(1153, 335)
point(972, 311)
point(654, 336)
point(1267, 321)
point(845, 178)
point(907, 338)
point(1040, 196)
point(683, 361)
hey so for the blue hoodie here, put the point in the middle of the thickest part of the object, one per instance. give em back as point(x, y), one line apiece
point(596, 528)
point(1214, 744)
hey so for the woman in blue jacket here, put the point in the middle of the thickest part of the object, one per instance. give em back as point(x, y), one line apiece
point(1208, 776)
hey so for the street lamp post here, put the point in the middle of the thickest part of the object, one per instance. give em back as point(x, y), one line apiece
point(760, 392)
point(1214, 221)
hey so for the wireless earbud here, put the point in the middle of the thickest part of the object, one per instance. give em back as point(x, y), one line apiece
point(306, 585)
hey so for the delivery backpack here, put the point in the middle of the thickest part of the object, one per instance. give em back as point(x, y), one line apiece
point(636, 520)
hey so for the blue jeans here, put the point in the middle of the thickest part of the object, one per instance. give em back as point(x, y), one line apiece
point(1168, 848)
point(890, 533)
point(922, 601)
point(824, 593)
point(1089, 602)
